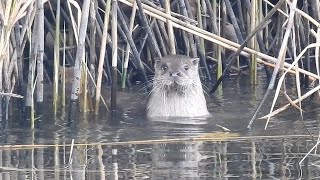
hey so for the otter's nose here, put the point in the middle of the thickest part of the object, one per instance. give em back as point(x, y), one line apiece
point(175, 74)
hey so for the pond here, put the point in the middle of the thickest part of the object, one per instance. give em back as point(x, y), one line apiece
point(133, 147)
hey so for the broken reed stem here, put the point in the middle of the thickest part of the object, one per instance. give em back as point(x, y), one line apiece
point(277, 111)
point(282, 53)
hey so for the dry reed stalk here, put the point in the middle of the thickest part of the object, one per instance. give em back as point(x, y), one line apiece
point(163, 31)
point(84, 86)
point(69, 57)
point(124, 31)
point(11, 12)
point(277, 111)
point(220, 53)
point(190, 40)
point(105, 72)
point(92, 54)
point(151, 39)
point(204, 9)
point(309, 93)
point(29, 101)
point(232, 58)
point(261, 43)
point(172, 46)
point(19, 59)
point(102, 55)
point(40, 52)
point(114, 36)
point(56, 60)
point(252, 43)
point(212, 37)
point(63, 79)
point(200, 25)
point(200, 51)
point(79, 59)
point(234, 22)
point(297, 74)
point(317, 53)
point(127, 51)
point(11, 95)
point(144, 39)
point(212, 11)
point(214, 137)
point(281, 56)
point(74, 23)
point(306, 31)
point(158, 34)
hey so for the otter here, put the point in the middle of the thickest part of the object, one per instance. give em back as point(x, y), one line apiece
point(177, 89)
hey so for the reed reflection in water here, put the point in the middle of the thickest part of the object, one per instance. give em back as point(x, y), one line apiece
point(255, 157)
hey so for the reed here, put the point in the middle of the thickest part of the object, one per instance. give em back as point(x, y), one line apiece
point(31, 74)
point(56, 63)
point(40, 52)
point(114, 55)
point(79, 59)
point(63, 79)
point(102, 55)
point(252, 43)
point(172, 45)
point(127, 51)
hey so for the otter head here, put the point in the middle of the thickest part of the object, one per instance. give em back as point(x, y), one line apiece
point(176, 72)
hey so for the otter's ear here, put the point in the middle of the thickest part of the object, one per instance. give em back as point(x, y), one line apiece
point(195, 61)
point(156, 61)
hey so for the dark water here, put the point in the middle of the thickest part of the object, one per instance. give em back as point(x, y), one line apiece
point(133, 147)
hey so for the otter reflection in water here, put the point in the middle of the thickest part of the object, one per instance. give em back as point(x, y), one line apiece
point(177, 89)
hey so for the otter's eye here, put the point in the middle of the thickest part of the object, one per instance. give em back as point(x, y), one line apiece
point(164, 67)
point(186, 67)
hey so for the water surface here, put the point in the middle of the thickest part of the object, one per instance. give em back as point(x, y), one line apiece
point(131, 146)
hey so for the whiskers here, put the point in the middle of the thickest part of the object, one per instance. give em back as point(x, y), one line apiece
point(155, 86)
point(205, 89)
point(146, 86)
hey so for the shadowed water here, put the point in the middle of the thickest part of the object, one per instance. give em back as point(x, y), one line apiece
point(129, 146)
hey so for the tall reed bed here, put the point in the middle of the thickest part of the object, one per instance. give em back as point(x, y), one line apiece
point(103, 40)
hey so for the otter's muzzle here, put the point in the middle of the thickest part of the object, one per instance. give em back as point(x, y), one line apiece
point(175, 74)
